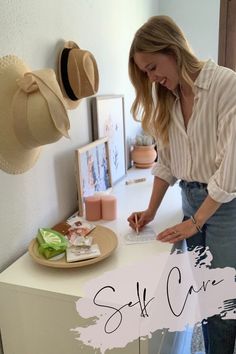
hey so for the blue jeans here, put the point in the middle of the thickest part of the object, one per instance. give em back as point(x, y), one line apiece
point(219, 234)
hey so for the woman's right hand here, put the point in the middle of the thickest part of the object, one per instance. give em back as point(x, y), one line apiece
point(143, 218)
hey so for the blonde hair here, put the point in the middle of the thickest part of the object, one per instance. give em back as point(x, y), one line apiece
point(159, 34)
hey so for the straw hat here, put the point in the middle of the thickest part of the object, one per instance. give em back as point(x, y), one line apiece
point(77, 73)
point(32, 114)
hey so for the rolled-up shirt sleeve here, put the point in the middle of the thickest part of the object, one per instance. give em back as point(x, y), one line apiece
point(222, 185)
point(162, 168)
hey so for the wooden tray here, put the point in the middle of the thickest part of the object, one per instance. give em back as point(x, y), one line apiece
point(104, 237)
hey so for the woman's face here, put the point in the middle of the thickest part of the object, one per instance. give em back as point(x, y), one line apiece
point(159, 67)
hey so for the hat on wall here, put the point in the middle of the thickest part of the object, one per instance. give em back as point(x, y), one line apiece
point(78, 74)
point(32, 113)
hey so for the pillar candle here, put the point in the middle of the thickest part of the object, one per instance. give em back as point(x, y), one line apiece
point(93, 211)
point(109, 207)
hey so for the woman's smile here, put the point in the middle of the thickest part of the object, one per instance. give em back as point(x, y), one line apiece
point(159, 67)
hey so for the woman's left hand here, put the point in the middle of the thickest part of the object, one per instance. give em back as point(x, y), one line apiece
point(178, 232)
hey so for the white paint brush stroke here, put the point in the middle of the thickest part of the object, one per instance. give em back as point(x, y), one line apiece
point(153, 274)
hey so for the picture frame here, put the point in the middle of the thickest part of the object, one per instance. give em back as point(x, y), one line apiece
point(92, 168)
point(108, 120)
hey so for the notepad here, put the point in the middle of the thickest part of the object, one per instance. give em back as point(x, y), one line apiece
point(145, 235)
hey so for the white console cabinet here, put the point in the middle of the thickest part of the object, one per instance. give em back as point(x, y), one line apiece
point(37, 303)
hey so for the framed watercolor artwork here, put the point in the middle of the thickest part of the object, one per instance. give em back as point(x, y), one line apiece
point(108, 121)
point(93, 172)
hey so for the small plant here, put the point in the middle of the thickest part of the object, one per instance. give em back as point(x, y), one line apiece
point(144, 139)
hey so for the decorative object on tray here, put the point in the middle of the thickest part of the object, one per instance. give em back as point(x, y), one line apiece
point(144, 152)
point(33, 114)
point(78, 74)
point(78, 226)
point(80, 245)
point(98, 244)
point(93, 172)
point(74, 254)
point(51, 243)
point(108, 120)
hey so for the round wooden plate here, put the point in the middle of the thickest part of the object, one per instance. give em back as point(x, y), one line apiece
point(104, 237)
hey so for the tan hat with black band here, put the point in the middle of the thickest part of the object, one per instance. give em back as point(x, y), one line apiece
point(78, 74)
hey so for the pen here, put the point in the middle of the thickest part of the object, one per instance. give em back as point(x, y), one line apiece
point(136, 222)
point(130, 181)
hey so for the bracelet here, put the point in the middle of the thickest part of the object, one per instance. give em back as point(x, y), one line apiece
point(199, 229)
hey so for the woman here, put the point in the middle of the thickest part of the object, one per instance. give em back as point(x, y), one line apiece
point(190, 107)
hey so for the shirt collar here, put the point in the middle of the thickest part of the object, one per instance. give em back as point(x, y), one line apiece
point(204, 78)
point(206, 74)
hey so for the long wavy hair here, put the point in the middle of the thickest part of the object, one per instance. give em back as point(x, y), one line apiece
point(153, 102)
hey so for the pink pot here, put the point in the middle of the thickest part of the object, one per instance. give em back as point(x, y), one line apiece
point(143, 156)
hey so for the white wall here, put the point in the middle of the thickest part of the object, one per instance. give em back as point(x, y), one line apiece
point(200, 22)
point(33, 30)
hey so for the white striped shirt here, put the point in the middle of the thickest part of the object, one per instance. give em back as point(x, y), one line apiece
point(206, 151)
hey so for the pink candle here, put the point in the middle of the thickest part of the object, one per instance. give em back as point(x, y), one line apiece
point(93, 211)
point(109, 207)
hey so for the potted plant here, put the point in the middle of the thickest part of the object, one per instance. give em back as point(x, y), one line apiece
point(143, 153)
